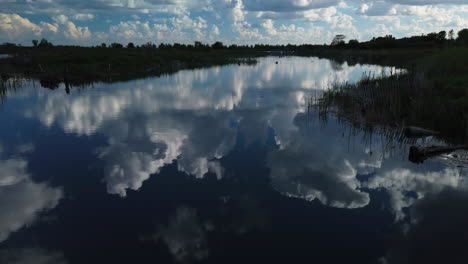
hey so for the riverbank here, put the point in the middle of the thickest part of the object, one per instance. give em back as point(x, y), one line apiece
point(433, 94)
point(403, 58)
point(78, 65)
point(81, 65)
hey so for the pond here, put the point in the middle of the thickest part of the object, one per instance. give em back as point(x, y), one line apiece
point(218, 165)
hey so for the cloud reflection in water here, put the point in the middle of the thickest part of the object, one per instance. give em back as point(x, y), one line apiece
point(195, 118)
point(23, 199)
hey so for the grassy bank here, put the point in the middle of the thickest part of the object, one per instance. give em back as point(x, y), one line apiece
point(78, 65)
point(433, 95)
point(404, 58)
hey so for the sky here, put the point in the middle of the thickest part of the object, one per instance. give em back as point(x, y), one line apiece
point(86, 22)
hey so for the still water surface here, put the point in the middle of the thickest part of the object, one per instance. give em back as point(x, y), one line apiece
point(219, 165)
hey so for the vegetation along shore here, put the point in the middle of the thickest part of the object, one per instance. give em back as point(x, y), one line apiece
point(433, 93)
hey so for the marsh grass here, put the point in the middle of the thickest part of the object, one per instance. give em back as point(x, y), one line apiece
point(9, 85)
point(378, 140)
point(385, 103)
point(82, 65)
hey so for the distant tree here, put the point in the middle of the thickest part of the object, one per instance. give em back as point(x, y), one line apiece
point(147, 45)
point(103, 45)
point(442, 36)
point(165, 46)
point(130, 45)
point(35, 42)
point(353, 43)
point(116, 45)
point(178, 46)
point(45, 43)
point(463, 36)
point(338, 40)
point(198, 45)
point(218, 45)
point(9, 45)
point(431, 36)
point(451, 34)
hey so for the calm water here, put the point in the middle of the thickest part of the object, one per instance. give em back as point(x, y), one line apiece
point(218, 165)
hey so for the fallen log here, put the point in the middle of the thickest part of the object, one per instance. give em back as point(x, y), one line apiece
point(419, 155)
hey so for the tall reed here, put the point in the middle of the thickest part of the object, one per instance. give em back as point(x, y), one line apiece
point(393, 101)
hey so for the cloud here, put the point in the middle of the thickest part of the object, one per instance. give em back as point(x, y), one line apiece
point(210, 138)
point(13, 171)
point(438, 231)
point(269, 27)
point(106, 6)
point(214, 32)
point(315, 163)
point(190, 116)
point(241, 21)
point(130, 162)
point(70, 30)
point(401, 181)
point(408, 20)
point(24, 199)
point(166, 6)
point(141, 148)
point(61, 19)
point(298, 169)
point(187, 116)
point(427, 2)
point(73, 32)
point(181, 29)
point(24, 148)
point(83, 17)
point(287, 5)
point(15, 28)
point(185, 236)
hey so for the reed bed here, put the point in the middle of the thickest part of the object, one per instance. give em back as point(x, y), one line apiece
point(381, 103)
point(10, 84)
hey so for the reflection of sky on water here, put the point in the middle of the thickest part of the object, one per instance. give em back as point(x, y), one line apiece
point(188, 114)
point(22, 199)
point(317, 162)
point(31, 255)
point(185, 236)
point(201, 123)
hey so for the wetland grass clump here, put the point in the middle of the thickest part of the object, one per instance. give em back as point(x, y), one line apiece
point(10, 84)
point(396, 101)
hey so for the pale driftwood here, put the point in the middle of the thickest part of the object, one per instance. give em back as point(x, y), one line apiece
point(411, 131)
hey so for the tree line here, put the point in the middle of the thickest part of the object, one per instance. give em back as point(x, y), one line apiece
point(435, 39)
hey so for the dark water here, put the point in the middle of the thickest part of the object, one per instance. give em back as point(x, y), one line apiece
point(219, 165)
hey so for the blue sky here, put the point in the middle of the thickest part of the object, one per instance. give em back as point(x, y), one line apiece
point(87, 22)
